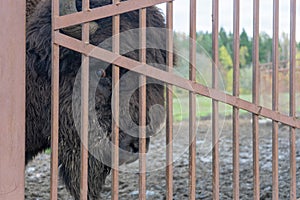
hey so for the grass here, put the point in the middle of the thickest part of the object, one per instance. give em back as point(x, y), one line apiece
point(48, 151)
point(204, 105)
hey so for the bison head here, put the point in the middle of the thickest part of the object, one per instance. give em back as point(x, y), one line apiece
point(38, 92)
point(101, 96)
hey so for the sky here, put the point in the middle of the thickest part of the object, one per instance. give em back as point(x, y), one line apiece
point(204, 7)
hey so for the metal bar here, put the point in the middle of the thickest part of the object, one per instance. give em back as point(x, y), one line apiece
point(293, 169)
point(235, 114)
point(84, 110)
point(173, 79)
point(54, 106)
point(12, 99)
point(215, 103)
point(84, 128)
point(103, 12)
point(142, 108)
point(192, 103)
point(255, 100)
point(116, 108)
point(169, 91)
point(275, 60)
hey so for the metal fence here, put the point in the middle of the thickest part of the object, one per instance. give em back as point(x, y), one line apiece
point(114, 10)
point(117, 8)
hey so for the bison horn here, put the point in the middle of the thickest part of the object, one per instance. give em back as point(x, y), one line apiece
point(68, 7)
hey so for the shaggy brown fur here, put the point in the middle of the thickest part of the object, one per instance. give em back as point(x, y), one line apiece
point(38, 97)
point(30, 7)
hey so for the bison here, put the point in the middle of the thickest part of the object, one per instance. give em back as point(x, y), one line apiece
point(38, 93)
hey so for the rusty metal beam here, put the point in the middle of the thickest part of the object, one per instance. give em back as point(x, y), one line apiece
point(103, 12)
point(54, 106)
point(215, 103)
point(12, 99)
point(255, 100)
point(142, 107)
point(115, 109)
point(84, 110)
point(173, 79)
point(169, 105)
point(236, 88)
point(293, 154)
point(275, 95)
point(192, 102)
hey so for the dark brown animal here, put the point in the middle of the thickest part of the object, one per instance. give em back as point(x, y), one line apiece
point(30, 7)
point(38, 94)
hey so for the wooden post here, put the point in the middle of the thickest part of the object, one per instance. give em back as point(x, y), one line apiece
point(12, 99)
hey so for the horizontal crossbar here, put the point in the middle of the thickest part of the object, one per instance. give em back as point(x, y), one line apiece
point(170, 78)
point(103, 12)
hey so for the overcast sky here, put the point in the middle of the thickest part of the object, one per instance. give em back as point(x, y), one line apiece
point(181, 15)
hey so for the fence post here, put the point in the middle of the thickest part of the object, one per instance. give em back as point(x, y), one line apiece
point(12, 99)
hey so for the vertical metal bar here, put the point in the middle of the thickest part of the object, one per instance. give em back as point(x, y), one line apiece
point(215, 104)
point(275, 61)
point(12, 99)
point(115, 107)
point(84, 110)
point(54, 106)
point(192, 103)
point(235, 117)
point(255, 100)
point(169, 125)
point(142, 108)
point(293, 172)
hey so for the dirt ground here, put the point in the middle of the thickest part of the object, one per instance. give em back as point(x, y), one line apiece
point(38, 171)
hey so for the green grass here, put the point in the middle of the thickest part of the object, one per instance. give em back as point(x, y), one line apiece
point(48, 151)
point(203, 107)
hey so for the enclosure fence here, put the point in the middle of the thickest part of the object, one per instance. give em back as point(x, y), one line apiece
point(87, 50)
point(12, 99)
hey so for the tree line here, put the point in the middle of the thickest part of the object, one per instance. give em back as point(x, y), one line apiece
point(204, 48)
point(204, 43)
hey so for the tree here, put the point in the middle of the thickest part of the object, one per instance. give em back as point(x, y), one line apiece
point(246, 42)
point(265, 48)
point(226, 40)
point(284, 46)
point(204, 42)
point(243, 56)
point(225, 58)
point(223, 39)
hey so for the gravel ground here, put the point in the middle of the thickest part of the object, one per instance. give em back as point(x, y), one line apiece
point(38, 171)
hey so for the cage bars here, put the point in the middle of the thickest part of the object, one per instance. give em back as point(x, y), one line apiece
point(175, 80)
point(292, 99)
point(142, 107)
point(236, 88)
point(192, 102)
point(275, 61)
point(115, 108)
point(215, 103)
point(194, 88)
point(169, 104)
point(54, 105)
point(255, 100)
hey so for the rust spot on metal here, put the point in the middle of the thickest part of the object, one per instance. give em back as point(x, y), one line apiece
point(259, 110)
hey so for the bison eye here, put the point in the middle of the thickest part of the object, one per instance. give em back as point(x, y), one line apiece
point(101, 73)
